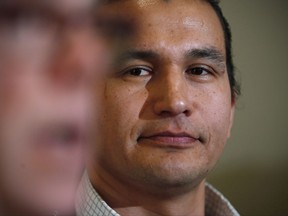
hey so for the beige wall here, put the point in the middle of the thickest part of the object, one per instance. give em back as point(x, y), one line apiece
point(253, 171)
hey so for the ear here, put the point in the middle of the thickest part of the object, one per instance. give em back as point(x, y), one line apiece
point(231, 120)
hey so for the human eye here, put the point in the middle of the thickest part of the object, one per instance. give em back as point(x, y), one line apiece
point(138, 71)
point(199, 71)
point(136, 74)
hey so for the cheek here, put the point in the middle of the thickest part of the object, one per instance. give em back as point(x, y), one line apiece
point(219, 106)
point(216, 115)
point(120, 111)
point(123, 103)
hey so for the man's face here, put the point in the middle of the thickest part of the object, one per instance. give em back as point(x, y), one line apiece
point(46, 69)
point(167, 108)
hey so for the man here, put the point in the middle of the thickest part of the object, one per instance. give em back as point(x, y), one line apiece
point(49, 56)
point(167, 112)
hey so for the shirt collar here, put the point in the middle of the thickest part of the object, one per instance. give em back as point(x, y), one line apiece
point(216, 204)
point(89, 202)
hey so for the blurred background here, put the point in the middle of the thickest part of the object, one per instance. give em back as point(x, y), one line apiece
point(253, 171)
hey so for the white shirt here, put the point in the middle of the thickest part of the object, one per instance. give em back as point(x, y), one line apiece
point(89, 202)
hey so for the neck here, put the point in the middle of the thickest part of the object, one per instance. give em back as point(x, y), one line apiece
point(128, 199)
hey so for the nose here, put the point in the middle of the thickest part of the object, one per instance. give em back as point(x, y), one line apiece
point(171, 95)
point(78, 58)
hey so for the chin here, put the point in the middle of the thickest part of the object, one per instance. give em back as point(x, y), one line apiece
point(174, 175)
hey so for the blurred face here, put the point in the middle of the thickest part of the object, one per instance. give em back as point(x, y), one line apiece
point(167, 107)
point(46, 69)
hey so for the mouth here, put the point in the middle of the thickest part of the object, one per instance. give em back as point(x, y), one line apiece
point(59, 136)
point(168, 139)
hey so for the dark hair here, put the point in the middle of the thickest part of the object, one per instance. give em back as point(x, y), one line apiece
point(234, 85)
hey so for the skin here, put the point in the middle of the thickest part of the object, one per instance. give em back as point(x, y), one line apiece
point(46, 71)
point(167, 110)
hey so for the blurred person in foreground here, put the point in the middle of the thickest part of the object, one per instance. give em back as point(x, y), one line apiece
point(166, 113)
point(50, 56)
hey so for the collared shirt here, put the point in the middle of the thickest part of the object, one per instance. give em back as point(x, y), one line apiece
point(89, 202)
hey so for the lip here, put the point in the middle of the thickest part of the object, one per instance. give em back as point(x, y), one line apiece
point(59, 136)
point(168, 139)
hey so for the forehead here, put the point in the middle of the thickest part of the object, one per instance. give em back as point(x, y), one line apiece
point(180, 15)
point(172, 22)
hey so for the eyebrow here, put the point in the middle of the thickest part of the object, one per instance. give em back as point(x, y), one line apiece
point(137, 54)
point(209, 53)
